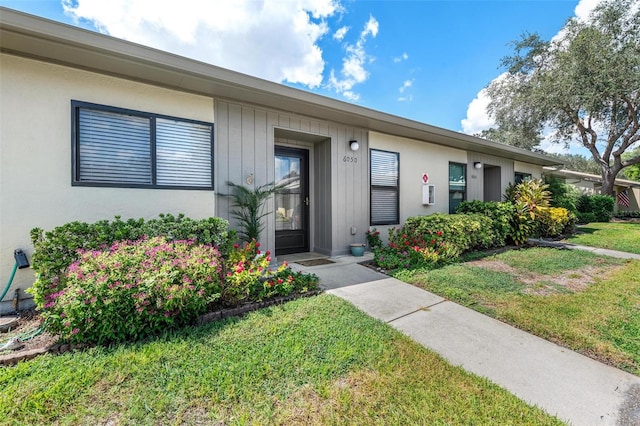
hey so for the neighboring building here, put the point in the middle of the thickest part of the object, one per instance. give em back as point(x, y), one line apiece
point(591, 184)
point(93, 127)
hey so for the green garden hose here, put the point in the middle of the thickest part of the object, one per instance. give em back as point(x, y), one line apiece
point(13, 274)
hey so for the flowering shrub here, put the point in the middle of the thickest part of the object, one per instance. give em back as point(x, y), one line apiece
point(373, 239)
point(428, 240)
point(555, 221)
point(133, 289)
point(248, 276)
point(410, 251)
point(391, 258)
point(57, 249)
point(463, 231)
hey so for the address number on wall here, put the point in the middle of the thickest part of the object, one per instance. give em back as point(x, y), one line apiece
point(349, 159)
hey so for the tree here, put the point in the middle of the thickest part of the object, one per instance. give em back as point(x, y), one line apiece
point(632, 172)
point(584, 84)
point(578, 163)
point(512, 135)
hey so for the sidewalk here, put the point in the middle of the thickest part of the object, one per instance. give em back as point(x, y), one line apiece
point(604, 252)
point(577, 389)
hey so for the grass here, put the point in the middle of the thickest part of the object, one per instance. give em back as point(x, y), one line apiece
point(312, 361)
point(601, 320)
point(613, 236)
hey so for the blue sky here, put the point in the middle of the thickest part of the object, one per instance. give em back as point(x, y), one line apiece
point(426, 60)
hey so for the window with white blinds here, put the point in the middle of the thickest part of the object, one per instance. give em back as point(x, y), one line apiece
point(115, 147)
point(385, 187)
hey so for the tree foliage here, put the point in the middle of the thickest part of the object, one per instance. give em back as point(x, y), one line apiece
point(578, 163)
point(584, 84)
point(632, 172)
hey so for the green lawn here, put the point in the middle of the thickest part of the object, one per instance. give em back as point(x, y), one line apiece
point(311, 361)
point(613, 235)
point(586, 302)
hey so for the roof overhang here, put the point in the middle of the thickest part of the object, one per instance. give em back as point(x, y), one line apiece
point(587, 177)
point(45, 40)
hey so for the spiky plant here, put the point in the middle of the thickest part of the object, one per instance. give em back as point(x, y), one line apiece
point(249, 208)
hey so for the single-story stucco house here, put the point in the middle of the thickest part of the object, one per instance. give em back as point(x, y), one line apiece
point(93, 127)
point(591, 184)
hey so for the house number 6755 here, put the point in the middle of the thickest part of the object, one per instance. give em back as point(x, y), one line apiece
point(348, 159)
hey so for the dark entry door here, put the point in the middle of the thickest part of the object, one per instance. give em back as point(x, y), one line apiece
point(292, 200)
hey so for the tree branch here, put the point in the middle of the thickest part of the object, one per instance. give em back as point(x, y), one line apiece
point(632, 135)
point(584, 134)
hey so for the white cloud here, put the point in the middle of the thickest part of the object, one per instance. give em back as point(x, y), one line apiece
point(401, 58)
point(477, 117)
point(405, 85)
point(549, 146)
point(275, 40)
point(405, 98)
point(340, 33)
point(353, 64)
point(584, 8)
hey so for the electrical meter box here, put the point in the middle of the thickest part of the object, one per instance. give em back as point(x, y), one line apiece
point(428, 195)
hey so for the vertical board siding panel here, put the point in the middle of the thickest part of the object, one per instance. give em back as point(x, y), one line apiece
point(366, 201)
point(475, 179)
point(323, 188)
point(235, 152)
point(262, 153)
point(360, 186)
point(476, 186)
point(327, 188)
point(305, 126)
point(284, 121)
point(246, 144)
point(334, 191)
point(318, 225)
point(508, 173)
point(221, 143)
point(272, 120)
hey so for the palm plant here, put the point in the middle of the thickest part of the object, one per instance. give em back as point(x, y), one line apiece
point(527, 197)
point(249, 208)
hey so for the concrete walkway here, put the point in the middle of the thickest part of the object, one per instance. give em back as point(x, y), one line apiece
point(604, 252)
point(577, 389)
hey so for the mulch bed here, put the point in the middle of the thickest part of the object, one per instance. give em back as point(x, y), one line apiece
point(47, 343)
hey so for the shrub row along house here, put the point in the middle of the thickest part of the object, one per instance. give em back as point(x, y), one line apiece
point(93, 127)
point(627, 192)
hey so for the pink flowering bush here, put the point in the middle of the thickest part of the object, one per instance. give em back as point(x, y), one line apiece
point(133, 289)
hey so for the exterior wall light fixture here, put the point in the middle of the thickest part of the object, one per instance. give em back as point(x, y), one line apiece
point(354, 145)
point(477, 165)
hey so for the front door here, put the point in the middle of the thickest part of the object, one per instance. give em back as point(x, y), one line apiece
point(292, 200)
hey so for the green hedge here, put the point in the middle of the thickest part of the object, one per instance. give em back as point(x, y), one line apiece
point(464, 231)
point(501, 213)
point(601, 206)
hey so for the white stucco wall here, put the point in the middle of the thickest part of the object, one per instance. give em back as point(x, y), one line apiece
point(417, 158)
point(35, 154)
point(532, 169)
